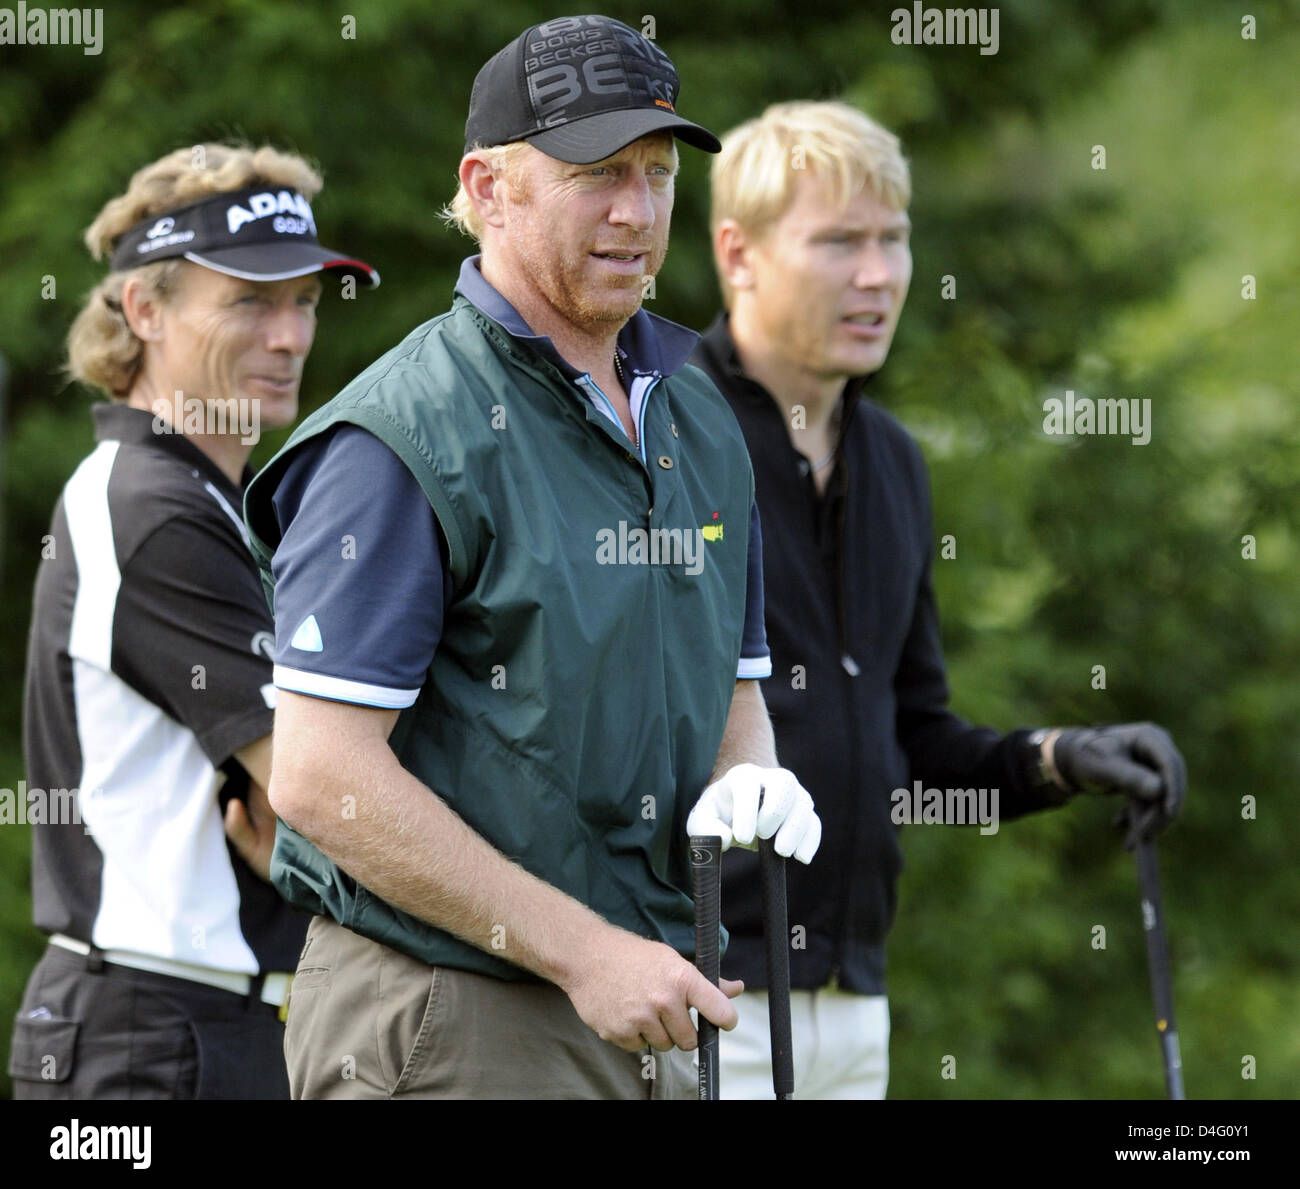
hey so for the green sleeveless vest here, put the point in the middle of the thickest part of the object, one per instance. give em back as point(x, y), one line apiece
point(575, 704)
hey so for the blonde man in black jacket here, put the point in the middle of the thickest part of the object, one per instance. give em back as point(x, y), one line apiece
point(811, 241)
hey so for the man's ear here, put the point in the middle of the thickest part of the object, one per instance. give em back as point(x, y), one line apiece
point(142, 308)
point(732, 250)
point(484, 187)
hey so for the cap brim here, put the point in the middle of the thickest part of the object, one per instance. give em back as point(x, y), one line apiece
point(580, 142)
point(282, 262)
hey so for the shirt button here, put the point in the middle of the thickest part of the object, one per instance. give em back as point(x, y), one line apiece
point(665, 462)
point(673, 426)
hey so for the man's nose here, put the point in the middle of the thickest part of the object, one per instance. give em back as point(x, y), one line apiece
point(875, 269)
point(291, 327)
point(633, 205)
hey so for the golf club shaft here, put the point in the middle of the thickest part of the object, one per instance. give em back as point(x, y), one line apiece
point(776, 937)
point(1158, 964)
point(706, 886)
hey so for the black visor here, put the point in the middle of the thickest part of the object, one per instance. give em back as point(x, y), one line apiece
point(259, 234)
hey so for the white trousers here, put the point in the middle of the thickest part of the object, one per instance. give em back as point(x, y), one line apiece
point(840, 1040)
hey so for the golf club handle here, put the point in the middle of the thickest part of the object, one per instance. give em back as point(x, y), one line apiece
point(1173, 1065)
point(706, 888)
point(777, 940)
point(1162, 994)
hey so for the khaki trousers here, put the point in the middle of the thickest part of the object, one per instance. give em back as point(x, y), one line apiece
point(366, 1021)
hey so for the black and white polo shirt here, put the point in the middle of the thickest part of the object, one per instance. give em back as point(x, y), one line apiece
point(147, 669)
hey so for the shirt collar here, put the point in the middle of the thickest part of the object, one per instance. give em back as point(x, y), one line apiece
point(719, 344)
point(116, 422)
point(648, 345)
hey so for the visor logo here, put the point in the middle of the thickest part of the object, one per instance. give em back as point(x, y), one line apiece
point(162, 227)
point(260, 206)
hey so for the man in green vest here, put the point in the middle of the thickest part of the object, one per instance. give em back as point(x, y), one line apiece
point(517, 581)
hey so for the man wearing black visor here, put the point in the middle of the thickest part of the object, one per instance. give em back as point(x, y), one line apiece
point(149, 693)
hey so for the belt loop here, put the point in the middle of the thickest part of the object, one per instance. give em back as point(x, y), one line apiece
point(95, 960)
point(255, 990)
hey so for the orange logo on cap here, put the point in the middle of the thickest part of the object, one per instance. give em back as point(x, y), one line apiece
point(665, 103)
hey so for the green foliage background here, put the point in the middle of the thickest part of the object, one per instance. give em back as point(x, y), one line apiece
point(1125, 282)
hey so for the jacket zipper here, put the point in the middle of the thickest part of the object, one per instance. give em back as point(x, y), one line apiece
point(851, 669)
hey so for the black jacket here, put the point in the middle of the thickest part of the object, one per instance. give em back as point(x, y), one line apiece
point(858, 694)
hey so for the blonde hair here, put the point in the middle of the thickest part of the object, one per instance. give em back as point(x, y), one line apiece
point(755, 175)
point(102, 349)
point(506, 161)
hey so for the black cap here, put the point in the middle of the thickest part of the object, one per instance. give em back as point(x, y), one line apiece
point(579, 89)
point(260, 234)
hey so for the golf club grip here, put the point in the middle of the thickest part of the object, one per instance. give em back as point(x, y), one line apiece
point(706, 888)
point(1173, 1065)
point(1162, 993)
point(777, 940)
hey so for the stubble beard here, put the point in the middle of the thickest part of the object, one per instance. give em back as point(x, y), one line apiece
point(561, 285)
point(577, 302)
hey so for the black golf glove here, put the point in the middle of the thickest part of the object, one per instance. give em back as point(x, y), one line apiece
point(1138, 760)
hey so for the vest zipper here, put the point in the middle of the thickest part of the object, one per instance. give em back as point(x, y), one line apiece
point(639, 422)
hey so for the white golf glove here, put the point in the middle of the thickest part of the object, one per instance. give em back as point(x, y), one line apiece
point(750, 802)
